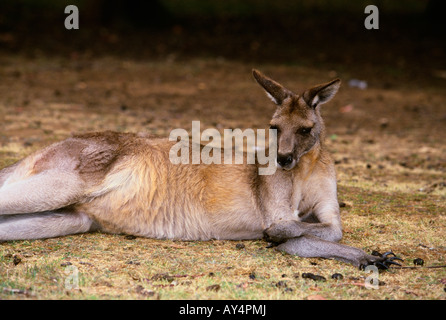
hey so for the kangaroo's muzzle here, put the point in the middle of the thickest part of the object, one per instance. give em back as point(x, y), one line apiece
point(285, 161)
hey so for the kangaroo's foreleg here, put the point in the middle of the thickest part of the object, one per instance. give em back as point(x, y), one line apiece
point(308, 246)
point(44, 225)
point(283, 230)
point(315, 240)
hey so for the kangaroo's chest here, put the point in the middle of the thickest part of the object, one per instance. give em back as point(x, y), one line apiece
point(301, 199)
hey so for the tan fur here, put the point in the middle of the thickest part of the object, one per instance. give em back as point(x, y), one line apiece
point(144, 194)
point(125, 183)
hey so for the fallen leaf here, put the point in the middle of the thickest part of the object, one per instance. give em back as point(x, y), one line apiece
point(214, 287)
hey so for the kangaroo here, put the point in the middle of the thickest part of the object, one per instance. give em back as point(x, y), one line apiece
point(124, 183)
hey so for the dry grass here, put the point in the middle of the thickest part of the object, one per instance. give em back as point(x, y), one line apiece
point(391, 179)
point(119, 267)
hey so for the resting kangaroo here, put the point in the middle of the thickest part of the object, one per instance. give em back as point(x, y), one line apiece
point(125, 183)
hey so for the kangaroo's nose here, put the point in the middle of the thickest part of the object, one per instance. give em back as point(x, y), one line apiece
point(284, 159)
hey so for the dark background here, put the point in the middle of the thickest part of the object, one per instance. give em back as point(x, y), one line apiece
point(411, 38)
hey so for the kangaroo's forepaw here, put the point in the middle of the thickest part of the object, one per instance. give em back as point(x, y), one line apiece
point(282, 230)
point(272, 241)
point(381, 261)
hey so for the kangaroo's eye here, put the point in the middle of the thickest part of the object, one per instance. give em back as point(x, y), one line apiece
point(304, 130)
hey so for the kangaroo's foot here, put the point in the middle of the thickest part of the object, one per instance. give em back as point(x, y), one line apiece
point(381, 261)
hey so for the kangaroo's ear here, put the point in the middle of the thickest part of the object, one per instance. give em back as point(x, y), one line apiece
point(322, 93)
point(275, 91)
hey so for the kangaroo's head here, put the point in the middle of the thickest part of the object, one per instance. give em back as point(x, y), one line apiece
point(297, 118)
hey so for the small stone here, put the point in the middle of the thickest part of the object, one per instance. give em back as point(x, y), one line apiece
point(337, 276)
point(239, 246)
point(315, 277)
point(16, 259)
point(418, 262)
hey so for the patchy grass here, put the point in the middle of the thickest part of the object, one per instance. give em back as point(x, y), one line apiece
point(122, 267)
point(119, 267)
point(392, 183)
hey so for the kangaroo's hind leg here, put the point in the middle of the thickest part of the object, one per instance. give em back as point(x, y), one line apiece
point(47, 224)
point(29, 203)
point(44, 191)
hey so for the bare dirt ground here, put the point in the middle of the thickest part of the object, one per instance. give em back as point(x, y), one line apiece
point(388, 143)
